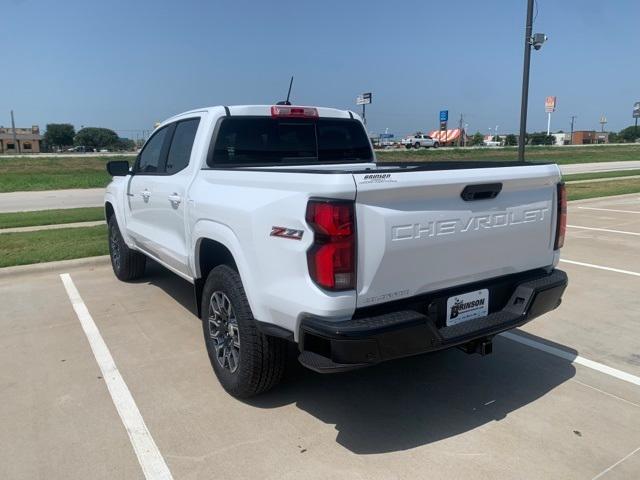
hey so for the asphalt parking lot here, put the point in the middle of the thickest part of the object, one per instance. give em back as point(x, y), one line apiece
point(558, 399)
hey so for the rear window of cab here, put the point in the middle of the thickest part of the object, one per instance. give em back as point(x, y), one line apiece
point(263, 141)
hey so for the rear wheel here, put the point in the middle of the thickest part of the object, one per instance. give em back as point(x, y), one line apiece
point(127, 264)
point(436, 145)
point(246, 361)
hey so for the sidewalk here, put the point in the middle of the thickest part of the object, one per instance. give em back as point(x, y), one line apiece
point(51, 199)
point(35, 228)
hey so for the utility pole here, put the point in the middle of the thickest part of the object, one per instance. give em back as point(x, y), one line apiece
point(530, 40)
point(460, 130)
point(16, 145)
point(573, 118)
point(525, 81)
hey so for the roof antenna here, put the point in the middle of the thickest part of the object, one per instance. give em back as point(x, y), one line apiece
point(287, 102)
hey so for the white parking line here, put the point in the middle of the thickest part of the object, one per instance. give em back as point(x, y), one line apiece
point(608, 210)
point(153, 465)
point(600, 267)
point(585, 362)
point(604, 230)
point(616, 464)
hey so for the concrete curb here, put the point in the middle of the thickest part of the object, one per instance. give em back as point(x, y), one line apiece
point(55, 226)
point(59, 266)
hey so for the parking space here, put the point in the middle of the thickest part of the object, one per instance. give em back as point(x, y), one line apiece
point(518, 413)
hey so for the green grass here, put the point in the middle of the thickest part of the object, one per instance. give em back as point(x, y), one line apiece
point(597, 175)
point(579, 191)
point(49, 245)
point(50, 217)
point(560, 155)
point(54, 173)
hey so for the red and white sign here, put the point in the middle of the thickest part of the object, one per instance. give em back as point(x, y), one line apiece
point(550, 104)
point(445, 136)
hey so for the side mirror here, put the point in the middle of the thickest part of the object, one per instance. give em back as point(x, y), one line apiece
point(118, 168)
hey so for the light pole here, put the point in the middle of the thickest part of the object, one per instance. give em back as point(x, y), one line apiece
point(536, 42)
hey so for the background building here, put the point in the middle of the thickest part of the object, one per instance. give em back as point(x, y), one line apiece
point(589, 137)
point(28, 140)
point(561, 138)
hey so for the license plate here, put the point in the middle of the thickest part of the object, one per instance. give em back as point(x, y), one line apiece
point(461, 308)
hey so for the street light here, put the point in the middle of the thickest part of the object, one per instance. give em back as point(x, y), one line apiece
point(536, 40)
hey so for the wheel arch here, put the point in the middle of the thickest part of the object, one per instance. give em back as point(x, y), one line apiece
point(215, 244)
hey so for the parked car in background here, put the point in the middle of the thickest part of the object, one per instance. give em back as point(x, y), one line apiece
point(419, 140)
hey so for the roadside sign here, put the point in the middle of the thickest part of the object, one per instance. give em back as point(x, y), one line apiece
point(550, 104)
point(636, 110)
point(444, 115)
point(364, 99)
point(386, 135)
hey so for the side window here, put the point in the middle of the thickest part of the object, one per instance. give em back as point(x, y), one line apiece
point(181, 145)
point(150, 157)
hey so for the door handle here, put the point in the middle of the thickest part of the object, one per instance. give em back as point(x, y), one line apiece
point(175, 198)
point(145, 195)
point(485, 191)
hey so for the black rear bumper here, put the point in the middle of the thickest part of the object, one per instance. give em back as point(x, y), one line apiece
point(366, 340)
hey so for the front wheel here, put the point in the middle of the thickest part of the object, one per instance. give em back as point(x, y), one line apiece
point(416, 145)
point(436, 145)
point(246, 361)
point(127, 264)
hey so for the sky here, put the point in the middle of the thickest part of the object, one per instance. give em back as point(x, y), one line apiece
point(125, 65)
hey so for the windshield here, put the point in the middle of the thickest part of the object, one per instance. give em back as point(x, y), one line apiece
point(261, 141)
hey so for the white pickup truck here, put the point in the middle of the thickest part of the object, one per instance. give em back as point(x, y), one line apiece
point(290, 231)
point(419, 140)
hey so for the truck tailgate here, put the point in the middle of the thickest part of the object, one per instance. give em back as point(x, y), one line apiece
point(416, 234)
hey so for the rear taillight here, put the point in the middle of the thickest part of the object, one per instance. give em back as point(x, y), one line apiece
point(561, 225)
point(332, 257)
point(293, 112)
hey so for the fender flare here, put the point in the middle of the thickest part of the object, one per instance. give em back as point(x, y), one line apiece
point(110, 198)
point(223, 234)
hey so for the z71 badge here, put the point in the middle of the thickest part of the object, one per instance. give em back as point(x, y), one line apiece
point(284, 232)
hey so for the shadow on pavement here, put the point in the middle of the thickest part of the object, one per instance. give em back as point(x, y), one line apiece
point(415, 401)
point(410, 402)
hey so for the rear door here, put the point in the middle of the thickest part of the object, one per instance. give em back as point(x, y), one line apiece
point(416, 234)
point(158, 194)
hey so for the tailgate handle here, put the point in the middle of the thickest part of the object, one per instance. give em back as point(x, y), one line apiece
point(485, 191)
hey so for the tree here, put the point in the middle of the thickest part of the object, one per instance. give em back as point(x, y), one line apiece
point(59, 135)
point(123, 144)
point(496, 138)
point(477, 139)
point(510, 140)
point(628, 134)
point(97, 138)
point(540, 138)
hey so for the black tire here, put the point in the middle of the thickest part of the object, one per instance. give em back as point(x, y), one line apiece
point(436, 145)
point(261, 359)
point(408, 146)
point(127, 264)
point(416, 145)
